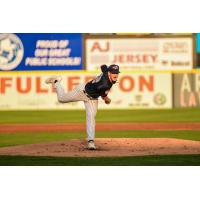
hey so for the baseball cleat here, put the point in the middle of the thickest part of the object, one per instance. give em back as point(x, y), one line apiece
point(53, 79)
point(91, 145)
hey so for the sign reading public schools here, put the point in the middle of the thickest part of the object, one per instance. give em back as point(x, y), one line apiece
point(40, 51)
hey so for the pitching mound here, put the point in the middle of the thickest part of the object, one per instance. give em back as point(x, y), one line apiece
point(107, 147)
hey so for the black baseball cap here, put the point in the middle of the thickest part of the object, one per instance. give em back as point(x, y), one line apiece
point(114, 69)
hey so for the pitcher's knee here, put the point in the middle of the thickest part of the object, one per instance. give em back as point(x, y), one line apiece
point(61, 99)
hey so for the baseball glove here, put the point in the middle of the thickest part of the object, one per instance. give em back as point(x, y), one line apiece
point(104, 68)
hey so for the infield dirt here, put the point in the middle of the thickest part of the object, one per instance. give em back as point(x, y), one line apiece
point(105, 146)
point(14, 128)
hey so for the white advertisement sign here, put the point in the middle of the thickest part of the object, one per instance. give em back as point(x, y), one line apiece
point(29, 91)
point(140, 53)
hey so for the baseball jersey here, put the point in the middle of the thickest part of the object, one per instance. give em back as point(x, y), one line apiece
point(99, 86)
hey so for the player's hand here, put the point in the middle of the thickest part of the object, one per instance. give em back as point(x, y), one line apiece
point(107, 100)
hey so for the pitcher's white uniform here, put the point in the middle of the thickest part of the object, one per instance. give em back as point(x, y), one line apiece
point(90, 105)
point(88, 93)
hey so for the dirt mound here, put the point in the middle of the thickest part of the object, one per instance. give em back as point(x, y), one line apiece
point(107, 147)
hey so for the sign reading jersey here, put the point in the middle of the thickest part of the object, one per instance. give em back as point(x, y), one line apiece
point(40, 51)
point(140, 53)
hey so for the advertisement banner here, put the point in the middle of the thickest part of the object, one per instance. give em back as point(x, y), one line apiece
point(40, 51)
point(140, 53)
point(198, 42)
point(29, 91)
point(186, 90)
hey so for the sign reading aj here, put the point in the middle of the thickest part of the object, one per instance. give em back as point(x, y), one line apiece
point(46, 51)
point(140, 53)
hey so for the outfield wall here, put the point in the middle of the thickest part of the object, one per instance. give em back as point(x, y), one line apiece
point(76, 51)
point(28, 90)
point(26, 60)
point(134, 90)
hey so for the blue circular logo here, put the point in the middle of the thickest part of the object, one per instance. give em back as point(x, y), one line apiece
point(11, 51)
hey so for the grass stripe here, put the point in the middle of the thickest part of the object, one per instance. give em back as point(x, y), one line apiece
point(67, 116)
point(33, 138)
point(164, 160)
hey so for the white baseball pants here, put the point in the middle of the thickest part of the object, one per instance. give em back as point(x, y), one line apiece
point(91, 106)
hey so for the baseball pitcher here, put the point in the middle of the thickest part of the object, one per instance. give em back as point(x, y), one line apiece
point(89, 94)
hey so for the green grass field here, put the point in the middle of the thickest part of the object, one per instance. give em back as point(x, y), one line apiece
point(172, 115)
point(175, 115)
point(164, 160)
point(33, 138)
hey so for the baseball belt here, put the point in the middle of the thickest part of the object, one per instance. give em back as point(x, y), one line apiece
point(91, 98)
